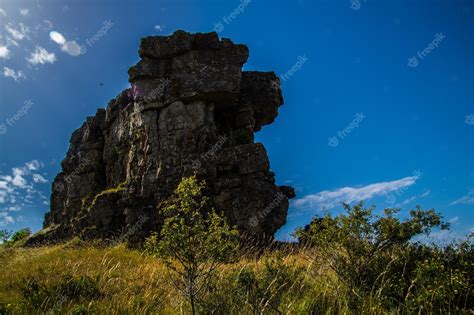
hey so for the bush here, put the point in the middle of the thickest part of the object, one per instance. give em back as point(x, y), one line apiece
point(378, 264)
point(21, 235)
point(193, 241)
point(9, 239)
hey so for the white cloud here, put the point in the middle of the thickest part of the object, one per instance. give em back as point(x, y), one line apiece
point(329, 199)
point(57, 37)
point(5, 219)
point(426, 194)
point(19, 186)
point(442, 237)
point(14, 208)
point(34, 165)
point(13, 42)
point(7, 178)
point(15, 75)
point(70, 47)
point(41, 56)
point(465, 200)
point(407, 201)
point(4, 52)
point(24, 12)
point(19, 33)
point(18, 179)
point(453, 220)
point(2, 12)
point(37, 178)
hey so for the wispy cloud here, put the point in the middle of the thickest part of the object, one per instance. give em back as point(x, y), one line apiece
point(453, 220)
point(2, 12)
point(5, 219)
point(22, 178)
point(407, 201)
point(37, 178)
point(19, 32)
point(467, 199)
point(15, 75)
point(24, 12)
point(443, 237)
point(4, 52)
point(329, 199)
point(41, 56)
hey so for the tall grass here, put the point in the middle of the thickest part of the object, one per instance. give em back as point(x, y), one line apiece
point(90, 279)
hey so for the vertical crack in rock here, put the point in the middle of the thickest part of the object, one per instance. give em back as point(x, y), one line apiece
point(190, 110)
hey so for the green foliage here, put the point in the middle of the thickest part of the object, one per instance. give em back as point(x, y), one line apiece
point(375, 259)
point(272, 287)
point(5, 236)
point(193, 240)
point(20, 235)
point(265, 292)
point(39, 294)
point(9, 239)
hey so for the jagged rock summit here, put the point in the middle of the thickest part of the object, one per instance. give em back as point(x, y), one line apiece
point(191, 109)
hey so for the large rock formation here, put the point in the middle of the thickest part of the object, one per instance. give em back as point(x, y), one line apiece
point(190, 110)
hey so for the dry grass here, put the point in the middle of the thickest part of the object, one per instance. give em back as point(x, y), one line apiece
point(117, 280)
point(128, 280)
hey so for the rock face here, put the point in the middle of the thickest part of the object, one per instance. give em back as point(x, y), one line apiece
point(190, 110)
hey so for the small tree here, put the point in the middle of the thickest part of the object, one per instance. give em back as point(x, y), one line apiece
point(360, 247)
point(20, 235)
point(9, 238)
point(193, 240)
point(5, 236)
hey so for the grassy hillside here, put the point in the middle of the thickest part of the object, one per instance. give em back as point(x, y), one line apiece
point(84, 279)
point(353, 263)
point(91, 279)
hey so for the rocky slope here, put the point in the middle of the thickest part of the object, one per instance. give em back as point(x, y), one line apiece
point(191, 109)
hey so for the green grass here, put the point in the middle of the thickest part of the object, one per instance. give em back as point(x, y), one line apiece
point(78, 278)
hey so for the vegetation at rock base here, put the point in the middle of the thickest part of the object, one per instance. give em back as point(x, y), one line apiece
point(193, 241)
point(356, 262)
point(9, 238)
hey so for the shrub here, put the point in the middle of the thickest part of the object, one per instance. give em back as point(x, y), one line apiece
point(193, 240)
point(8, 238)
point(380, 266)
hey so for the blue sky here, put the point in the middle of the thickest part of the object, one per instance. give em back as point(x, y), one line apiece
point(362, 119)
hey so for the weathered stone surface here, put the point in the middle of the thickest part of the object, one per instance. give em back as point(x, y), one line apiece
point(190, 110)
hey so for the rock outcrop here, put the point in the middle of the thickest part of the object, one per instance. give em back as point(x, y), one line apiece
point(190, 110)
